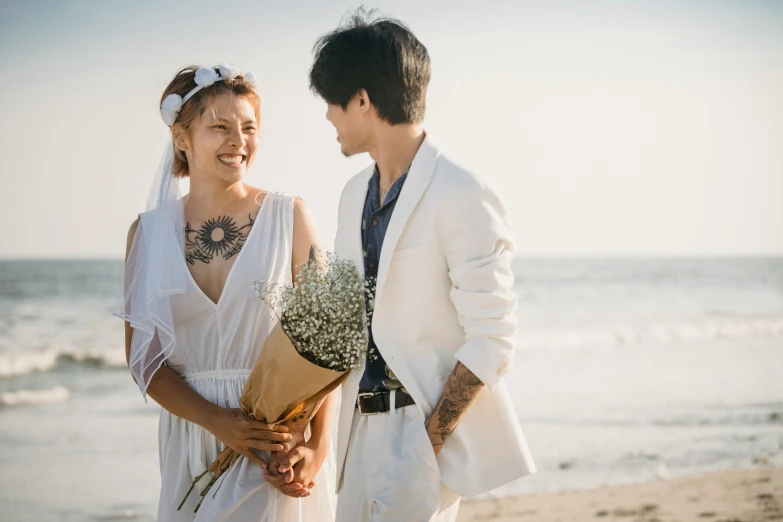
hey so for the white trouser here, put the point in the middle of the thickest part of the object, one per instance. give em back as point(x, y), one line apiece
point(391, 474)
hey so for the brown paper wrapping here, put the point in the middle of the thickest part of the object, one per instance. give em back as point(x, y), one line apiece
point(282, 385)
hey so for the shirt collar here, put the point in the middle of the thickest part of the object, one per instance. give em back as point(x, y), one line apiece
point(375, 189)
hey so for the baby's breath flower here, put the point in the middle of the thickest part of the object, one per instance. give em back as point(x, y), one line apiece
point(323, 312)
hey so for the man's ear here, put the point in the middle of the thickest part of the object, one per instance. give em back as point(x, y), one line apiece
point(180, 138)
point(364, 100)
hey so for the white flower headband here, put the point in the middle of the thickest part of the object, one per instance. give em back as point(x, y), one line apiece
point(205, 76)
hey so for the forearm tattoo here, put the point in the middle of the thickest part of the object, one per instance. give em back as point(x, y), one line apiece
point(220, 236)
point(461, 391)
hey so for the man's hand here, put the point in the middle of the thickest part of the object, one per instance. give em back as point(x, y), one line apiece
point(303, 461)
point(271, 473)
point(292, 472)
point(461, 390)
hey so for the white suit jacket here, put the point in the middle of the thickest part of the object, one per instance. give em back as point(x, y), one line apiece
point(444, 295)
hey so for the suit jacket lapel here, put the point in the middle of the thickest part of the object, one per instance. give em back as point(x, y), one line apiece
point(419, 177)
point(348, 245)
point(350, 241)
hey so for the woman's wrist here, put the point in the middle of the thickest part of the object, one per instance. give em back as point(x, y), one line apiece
point(208, 417)
point(319, 441)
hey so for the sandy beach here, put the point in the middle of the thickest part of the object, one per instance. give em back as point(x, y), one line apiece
point(728, 496)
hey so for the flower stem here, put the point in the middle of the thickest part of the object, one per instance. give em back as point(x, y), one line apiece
point(191, 489)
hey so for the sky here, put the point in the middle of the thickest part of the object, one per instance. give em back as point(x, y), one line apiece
point(610, 128)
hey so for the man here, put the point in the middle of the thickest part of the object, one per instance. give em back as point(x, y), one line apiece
point(428, 418)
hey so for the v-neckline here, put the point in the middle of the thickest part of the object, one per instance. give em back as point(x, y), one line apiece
point(216, 304)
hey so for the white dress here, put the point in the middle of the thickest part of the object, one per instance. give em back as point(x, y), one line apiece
point(217, 345)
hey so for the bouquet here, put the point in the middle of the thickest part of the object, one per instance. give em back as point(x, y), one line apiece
point(321, 335)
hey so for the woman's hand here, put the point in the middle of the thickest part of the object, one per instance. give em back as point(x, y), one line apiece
point(304, 461)
point(293, 472)
point(244, 435)
point(278, 479)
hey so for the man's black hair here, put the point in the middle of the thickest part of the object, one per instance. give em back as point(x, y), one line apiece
point(379, 55)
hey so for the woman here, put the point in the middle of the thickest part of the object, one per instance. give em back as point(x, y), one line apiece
point(194, 326)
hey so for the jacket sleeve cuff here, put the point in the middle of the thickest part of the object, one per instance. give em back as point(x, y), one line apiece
point(489, 359)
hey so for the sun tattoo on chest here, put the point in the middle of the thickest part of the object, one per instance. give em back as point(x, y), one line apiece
point(220, 236)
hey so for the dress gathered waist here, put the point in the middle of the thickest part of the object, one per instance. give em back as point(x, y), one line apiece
point(216, 375)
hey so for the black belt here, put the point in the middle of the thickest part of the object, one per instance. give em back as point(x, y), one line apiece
point(380, 402)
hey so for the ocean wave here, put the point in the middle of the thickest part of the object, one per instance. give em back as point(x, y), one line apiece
point(43, 396)
point(16, 364)
point(713, 329)
point(21, 363)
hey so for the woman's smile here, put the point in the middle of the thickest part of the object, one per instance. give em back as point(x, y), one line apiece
point(232, 160)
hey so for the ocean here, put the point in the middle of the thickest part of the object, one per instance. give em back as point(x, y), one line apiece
point(627, 370)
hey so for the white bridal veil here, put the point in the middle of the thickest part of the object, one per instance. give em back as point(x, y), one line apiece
point(154, 272)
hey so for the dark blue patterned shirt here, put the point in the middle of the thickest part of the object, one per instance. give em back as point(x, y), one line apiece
point(375, 221)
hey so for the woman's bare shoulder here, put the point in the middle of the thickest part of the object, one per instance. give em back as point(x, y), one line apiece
point(132, 229)
point(131, 235)
point(300, 206)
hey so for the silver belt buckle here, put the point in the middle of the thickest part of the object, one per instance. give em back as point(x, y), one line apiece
point(359, 402)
